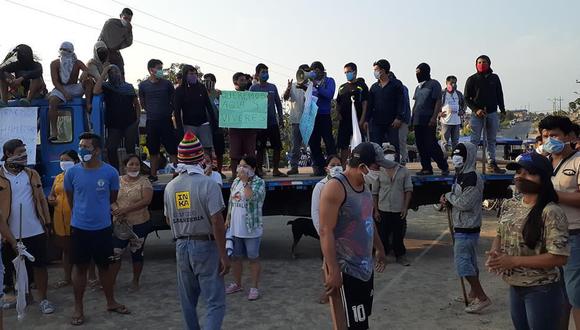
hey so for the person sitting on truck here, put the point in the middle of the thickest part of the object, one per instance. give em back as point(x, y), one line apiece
point(96, 66)
point(193, 108)
point(156, 97)
point(62, 214)
point(64, 72)
point(134, 197)
point(26, 212)
point(245, 222)
point(117, 34)
point(122, 112)
point(392, 197)
point(27, 75)
point(333, 168)
point(465, 200)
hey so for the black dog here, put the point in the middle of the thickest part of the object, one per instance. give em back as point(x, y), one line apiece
point(302, 227)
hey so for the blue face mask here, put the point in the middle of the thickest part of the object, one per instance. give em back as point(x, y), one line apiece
point(159, 73)
point(311, 75)
point(553, 146)
point(350, 75)
point(85, 154)
point(265, 76)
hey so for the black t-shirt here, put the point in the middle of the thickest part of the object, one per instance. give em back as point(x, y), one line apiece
point(120, 110)
point(346, 92)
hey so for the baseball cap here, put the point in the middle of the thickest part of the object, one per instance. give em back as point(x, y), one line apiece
point(371, 153)
point(10, 146)
point(533, 163)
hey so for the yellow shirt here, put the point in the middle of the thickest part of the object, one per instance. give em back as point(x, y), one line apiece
point(62, 211)
point(131, 193)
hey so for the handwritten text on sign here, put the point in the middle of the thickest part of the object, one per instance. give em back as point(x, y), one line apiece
point(20, 123)
point(243, 109)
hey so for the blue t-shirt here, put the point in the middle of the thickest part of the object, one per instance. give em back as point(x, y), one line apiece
point(91, 190)
point(426, 96)
point(274, 102)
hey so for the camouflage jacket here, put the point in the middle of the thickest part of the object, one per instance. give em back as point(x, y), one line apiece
point(554, 240)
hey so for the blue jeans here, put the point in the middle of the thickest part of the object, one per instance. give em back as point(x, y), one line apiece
point(536, 307)
point(450, 132)
point(491, 128)
point(198, 273)
point(572, 272)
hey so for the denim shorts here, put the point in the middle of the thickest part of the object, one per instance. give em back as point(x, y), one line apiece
point(572, 272)
point(247, 247)
point(465, 253)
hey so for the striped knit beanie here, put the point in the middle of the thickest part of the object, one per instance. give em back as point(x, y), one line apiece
point(190, 150)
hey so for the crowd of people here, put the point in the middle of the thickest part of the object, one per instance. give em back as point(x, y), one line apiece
point(100, 209)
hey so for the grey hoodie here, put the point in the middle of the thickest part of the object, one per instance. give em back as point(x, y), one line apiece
point(467, 194)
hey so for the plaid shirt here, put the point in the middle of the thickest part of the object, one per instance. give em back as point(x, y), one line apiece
point(255, 203)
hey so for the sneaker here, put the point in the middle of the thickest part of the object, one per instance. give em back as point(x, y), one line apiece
point(46, 307)
point(292, 171)
point(477, 306)
point(233, 288)
point(254, 294)
point(403, 261)
point(495, 169)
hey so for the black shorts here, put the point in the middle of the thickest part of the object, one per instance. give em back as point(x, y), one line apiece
point(271, 134)
point(35, 245)
point(87, 245)
point(357, 297)
point(161, 132)
point(344, 135)
point(219, 142)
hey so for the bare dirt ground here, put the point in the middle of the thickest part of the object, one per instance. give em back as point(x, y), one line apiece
point(417, 297)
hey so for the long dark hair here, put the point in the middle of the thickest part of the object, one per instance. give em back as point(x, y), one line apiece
point(533, 229)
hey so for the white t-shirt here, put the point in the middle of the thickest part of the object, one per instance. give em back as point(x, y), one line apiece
point(451, 109)
point(238, 214)
point(217, 178)
point(315, 204)
point(296, 99)
point(22, 194)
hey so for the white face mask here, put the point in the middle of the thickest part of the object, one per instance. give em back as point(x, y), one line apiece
point(133, 174)
point(457, 161)
point(66, 164)
point(371, 177)
point(335, 170)
point(390, 157)
point(377, 74)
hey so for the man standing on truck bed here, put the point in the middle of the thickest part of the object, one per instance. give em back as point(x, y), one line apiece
point(117, 34)
point(156, 97)
point(193, 209)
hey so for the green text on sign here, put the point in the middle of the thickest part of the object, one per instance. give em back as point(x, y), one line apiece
point(243, 109)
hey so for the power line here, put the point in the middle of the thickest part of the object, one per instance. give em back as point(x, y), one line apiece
point(204, 36)
point(136, 41)
point(163, 34)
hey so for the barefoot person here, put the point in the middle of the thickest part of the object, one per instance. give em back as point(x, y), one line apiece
point(531, 243)
point(91, 187)
point(348, 234)
point(62, 214)
point(193, 209)
point(134, 198)
point(245, 222)
point(465, 201)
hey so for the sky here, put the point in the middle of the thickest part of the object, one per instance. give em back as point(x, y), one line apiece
point(533, 45)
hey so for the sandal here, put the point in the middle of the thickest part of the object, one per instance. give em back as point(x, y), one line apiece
point(77, 320)
point(61, 284)
point(120, 309)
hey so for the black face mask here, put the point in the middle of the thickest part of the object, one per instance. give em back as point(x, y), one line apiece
point(424, 73)
point(527, 187)
point(102, 54)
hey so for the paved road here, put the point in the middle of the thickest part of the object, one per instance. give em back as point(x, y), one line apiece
point(520, 130)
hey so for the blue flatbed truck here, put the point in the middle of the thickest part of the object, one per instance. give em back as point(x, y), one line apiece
point(285, 196)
